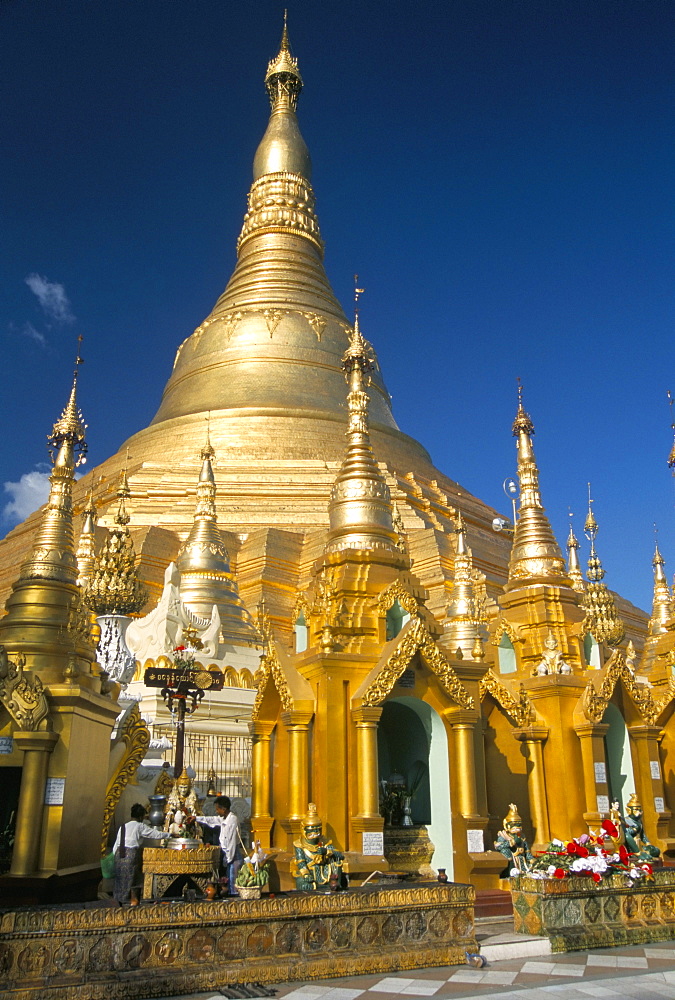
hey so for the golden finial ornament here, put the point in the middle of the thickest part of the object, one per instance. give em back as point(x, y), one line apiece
point(662, 603)
point(535, 555)
point(462, 627)
point(602, 618)
point(114, 588)
point(204, 563)
point(86, 547)
point(360, 510)
point(573, 566)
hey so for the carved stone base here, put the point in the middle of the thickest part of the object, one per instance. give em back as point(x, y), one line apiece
point(167, 872)
point(576, 915)
point(408, 849)
point(169, 949)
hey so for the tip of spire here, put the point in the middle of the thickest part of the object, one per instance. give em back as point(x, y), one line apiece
point(70, 428)
point(658, 559)
point(590, 524)
point(282, 72)
point(523, 422)
point(208, 451)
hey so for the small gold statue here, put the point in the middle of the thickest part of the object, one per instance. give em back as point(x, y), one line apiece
point(551, 660)
point(511, 843)
point(316, 865)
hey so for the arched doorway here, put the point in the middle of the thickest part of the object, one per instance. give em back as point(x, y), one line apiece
point(619, 760)
point(412, 741)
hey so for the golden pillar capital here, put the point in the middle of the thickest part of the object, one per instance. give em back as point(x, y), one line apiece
point(28, 835)
point(260, 730)
point(367, 798)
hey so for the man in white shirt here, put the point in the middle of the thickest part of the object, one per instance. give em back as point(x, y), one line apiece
point(231, 856)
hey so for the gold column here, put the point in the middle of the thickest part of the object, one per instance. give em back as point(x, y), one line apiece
point(28, 837)
point(463, 726)
point(367, 790)
point(297, 724)
point(534, 739)
point(644, 743)
point(261, 735)
point(592, 737)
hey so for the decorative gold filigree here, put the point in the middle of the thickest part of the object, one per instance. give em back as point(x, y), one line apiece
point(594, 702)
point(504, 627)
point(518, 708)
point(417, 639)
point(397, 592)
point(21, 693)
point(136, 736)
point(271, 668)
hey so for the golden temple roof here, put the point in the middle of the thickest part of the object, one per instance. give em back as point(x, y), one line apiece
point(536, 555)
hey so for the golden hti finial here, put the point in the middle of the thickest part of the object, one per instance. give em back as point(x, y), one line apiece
point(67, 439)
point(662, 603)
point(573, 567)
point(360, 510)
point(462, 627)
point(602, 618)
point(283, 80)
point(114, 588)
point(535, 555)
point(204, 563)
point(671, 456)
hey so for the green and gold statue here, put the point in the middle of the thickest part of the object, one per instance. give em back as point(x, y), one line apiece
point(316, 865)
point(634, 832)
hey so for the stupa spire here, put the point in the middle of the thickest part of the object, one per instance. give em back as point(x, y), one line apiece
point(461, 630)
point(204, 563)
point(535, 555)
point(360, 510)
point(86, 547)
point(114, 588)
point(573, 567)
point(662, 604)
point(602, 618)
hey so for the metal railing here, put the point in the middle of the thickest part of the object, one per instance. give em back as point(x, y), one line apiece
point(208, 754)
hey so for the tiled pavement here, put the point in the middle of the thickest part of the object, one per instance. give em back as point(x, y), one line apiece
point(638, 973)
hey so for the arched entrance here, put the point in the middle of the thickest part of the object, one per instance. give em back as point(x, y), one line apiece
point(619, 761)
point(412, 741)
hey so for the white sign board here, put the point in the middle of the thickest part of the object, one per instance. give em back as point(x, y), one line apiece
point(655, 769)
point(603, 803)
point(600, 772)
point(54, 790)
point(659, 805)
point(372, 843)
point(6, 744)
point(474, 841)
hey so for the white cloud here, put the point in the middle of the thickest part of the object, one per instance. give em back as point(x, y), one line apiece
point(31, 491)
point(30, 331)
point(52, 297)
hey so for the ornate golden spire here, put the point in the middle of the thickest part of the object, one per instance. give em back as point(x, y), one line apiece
point(536, 555)
point(602, 619)
point(461, 629)
point(114, 588)
point(44, 611)
point(360, 510)
point(86, 547)
point(204, 564)
point(671, 456)
point(662, 605)
point(282, 149)
point(53, 555)
point(574, 569)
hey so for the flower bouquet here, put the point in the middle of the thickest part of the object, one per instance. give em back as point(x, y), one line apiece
point(253, 874)
point(596, 855)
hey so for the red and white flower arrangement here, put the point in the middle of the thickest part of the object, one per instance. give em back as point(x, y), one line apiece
point(594, 855)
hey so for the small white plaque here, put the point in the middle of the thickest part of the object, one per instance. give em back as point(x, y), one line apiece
point(659, 805)
point(372, 843)
point(600, 772)
point(655, 769)
point(54, 790)
point(6, 744)
point(474, 841)
point(603, 803)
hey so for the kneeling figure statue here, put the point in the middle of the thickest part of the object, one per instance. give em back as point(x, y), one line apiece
point(511, 843)
point(316, 864)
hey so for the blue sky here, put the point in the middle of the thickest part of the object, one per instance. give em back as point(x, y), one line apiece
point(498, 173)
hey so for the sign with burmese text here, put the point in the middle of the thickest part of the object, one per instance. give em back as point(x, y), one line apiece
point(54, 791)
point(372, 843)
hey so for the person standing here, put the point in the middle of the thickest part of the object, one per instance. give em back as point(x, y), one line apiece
point(128, 852)
point(231, 855)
